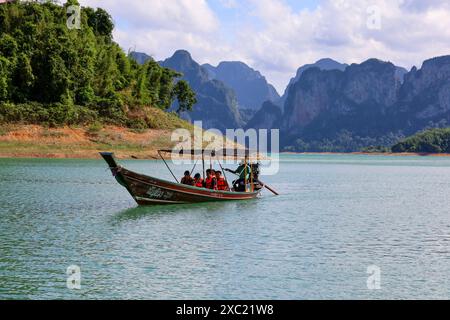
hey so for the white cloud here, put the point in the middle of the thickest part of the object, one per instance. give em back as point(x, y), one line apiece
point(181, 15)
point(410, 32)
point(159, 27)
point(276, 39)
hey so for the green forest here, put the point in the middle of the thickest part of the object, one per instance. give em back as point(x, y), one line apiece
point(56, 75)
point(345, 141)
point(428, 141)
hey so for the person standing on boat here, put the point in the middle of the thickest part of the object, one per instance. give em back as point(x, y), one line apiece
point(198, 181)
point(244, 171)
point(222, 184)
point(210, 181)
point(187, 179)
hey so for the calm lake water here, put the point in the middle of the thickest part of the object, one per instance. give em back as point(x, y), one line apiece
point(337, 215)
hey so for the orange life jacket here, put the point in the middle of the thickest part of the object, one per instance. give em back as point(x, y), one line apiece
point(222, 184)
point(199, 183)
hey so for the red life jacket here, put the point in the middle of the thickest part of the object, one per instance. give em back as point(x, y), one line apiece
point(222, 184)
point(199, 183)
point(209, 183)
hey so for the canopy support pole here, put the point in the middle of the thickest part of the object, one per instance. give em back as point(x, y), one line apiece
point(195, 164)
point(221, 168)
point(245, 173)
point(168, 166)
point(203, 164)
point(252, 186)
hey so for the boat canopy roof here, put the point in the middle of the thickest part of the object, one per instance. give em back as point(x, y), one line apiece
point(221, 153)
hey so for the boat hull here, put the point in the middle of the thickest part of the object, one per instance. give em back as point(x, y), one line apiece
point(147, 190)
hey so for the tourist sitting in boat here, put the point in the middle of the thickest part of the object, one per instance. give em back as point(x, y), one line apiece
point(198, 181)
point(222, 183)
point(187, 179)
point(210, 181)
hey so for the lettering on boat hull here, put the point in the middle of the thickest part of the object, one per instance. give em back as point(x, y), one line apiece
point(158, 193)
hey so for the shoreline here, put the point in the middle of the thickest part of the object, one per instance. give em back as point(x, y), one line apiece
point(95, 156)
point(389, 154)
point(20, 141)
point(153, 155)
point(38, 142)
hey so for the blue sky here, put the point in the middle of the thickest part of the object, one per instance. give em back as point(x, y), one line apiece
point(278, 36)
point(298, 5)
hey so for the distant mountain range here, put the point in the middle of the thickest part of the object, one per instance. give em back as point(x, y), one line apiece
point(366, 104)
point(140, 57)
point(217, 105)
point(327, 106)
point(251, 88)
point(229, 95)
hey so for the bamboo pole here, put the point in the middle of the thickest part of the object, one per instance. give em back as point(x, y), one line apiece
point(252, 187)
point(245, 173)
point(224, 174)
point(203, 165)
point(168, 166)
point(195, 164)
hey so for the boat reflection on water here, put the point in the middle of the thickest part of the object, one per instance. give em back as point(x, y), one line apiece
point(207, 209)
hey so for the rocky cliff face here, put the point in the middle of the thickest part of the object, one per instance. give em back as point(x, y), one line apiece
point(322, 64)
point(251, 88)
point(217, 103)
point(371, 99)
point(370, 84)
point(424, 97)
point(425, 94)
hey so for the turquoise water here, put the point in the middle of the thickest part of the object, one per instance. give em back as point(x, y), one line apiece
point(336, 216)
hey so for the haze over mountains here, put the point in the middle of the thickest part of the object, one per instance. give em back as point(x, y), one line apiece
point(327, 106)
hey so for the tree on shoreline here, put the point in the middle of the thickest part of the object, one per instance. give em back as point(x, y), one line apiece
point(45, 66)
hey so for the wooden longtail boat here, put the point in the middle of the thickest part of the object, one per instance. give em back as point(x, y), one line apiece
point(147, 190)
